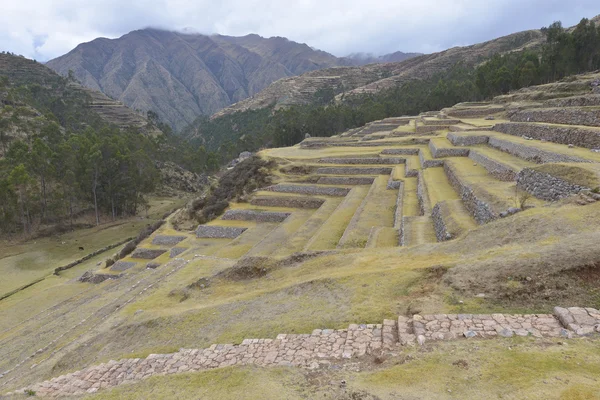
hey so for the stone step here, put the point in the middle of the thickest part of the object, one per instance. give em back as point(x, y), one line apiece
point(562, 134)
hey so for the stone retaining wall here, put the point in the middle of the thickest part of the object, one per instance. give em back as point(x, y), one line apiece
point(354, 171)
point(399, 205)
point(310, 190)
point(480, 210)
point(287, 201)
point(441, 232)
point(431, 128)
point(429, 163)
point(495, 168)
point(531, 153)
point(474, 112)
point(410, 141)
point(363, 160)
point(306, 350)
point(440, 152)
point(218, 232)
point(406, 152)
point(444, 121)
point(147, 254)
point(582, 137)
point(467, 140)
point(562, 115)
point(545, 186)
point(167, 240)
point(574, 101)
point(255, 215)
point(424, 204)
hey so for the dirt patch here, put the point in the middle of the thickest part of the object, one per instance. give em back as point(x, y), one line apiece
point(248, 268)
point(566, 273)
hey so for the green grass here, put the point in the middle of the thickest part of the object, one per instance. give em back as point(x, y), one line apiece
point(377, 210)
point(410, 205)
point(438, 186)
point(332, 230)
point(577, 173)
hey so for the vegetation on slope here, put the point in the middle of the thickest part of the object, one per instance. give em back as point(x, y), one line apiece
point(60, 159)
point(564, 53)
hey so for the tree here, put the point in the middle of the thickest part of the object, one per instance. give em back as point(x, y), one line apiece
point(20, 180)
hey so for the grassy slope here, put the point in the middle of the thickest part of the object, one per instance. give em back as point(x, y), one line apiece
point(23, 263)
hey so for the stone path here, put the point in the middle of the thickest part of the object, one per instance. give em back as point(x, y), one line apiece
point(305, 350)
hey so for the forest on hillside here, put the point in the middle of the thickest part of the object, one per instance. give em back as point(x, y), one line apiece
point(565, 52)
point(60, 159)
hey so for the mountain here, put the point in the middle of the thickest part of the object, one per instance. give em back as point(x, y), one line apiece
point(358, 59)
point(181, 76)
point(347, 81)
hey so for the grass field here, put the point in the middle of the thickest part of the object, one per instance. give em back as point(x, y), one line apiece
point(326, 268)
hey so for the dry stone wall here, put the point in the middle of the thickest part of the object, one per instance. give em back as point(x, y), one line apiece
point(561, 115)
point(307, 350)
point(309, 190)
point(354, 171)
point(431, 128)
point(574, 101)
point(219, 232)
point(345, 180)
point(406, 152)
point(467, 140)
point(473, 112)
point(440, 152)
point(494, 167)
point(429, 163)
point(167, 240)
point(445, 121)
point(148, 254)
point(287, 201)
point(363, 160)
point(545, 186)
point(254, 215)
point(480, 210)
point(531, 153)
point(582, 137)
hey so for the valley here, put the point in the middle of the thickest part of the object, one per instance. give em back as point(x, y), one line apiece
point(452, 253)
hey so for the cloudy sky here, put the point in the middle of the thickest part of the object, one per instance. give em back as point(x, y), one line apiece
point(44, 29)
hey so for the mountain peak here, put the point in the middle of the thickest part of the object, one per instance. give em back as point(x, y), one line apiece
point(197, 74)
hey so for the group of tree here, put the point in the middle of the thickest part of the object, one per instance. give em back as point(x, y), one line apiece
point(59, 159)
point(564, 52)
point(59, 175)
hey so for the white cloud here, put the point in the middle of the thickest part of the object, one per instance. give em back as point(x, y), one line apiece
point(45, 29)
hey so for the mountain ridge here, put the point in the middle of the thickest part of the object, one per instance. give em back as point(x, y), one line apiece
point(181, 75)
